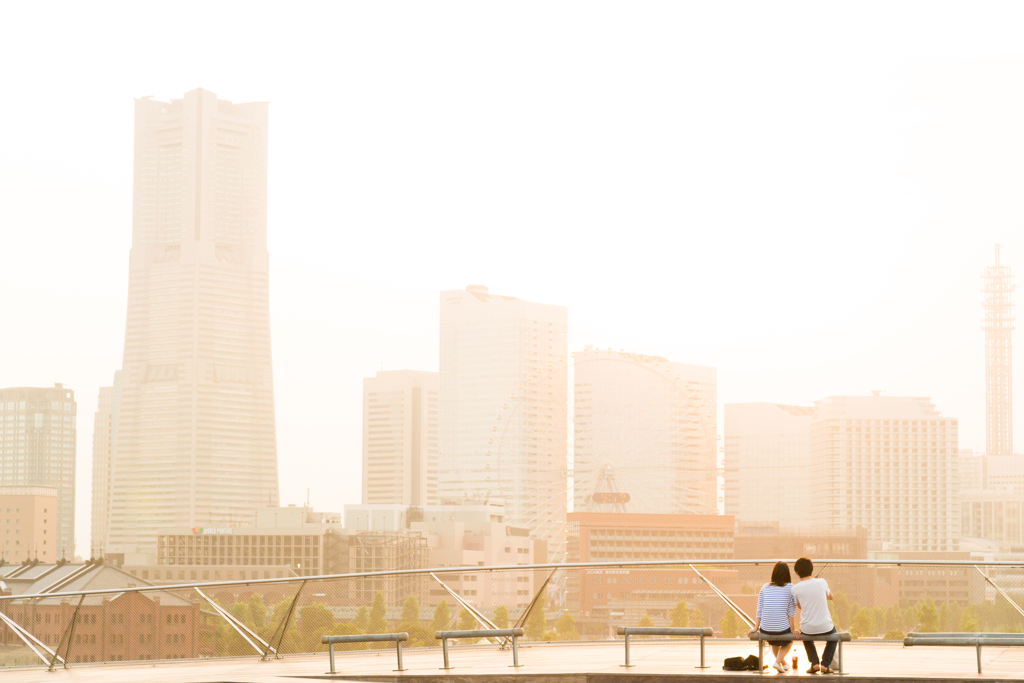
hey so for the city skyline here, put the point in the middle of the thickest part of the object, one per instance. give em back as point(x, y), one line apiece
point(805, 240)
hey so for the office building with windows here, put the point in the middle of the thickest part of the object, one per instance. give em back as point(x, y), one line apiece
point(38, 448)
point(645, 427)
point(193, 441)
point(400, 438)
point(503, 408)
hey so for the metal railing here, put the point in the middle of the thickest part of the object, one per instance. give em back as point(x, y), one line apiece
point(570, 602)
point(975, 640)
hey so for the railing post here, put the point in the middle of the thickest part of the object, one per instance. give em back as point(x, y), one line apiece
point(515, 651)
point(398, 647)
point(702, 652)
point(330, 654)
point(284, 625)
point(839, 656)
point(627, 664)
point(69, 633)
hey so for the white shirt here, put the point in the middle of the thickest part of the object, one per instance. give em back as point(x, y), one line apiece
point(811, 596)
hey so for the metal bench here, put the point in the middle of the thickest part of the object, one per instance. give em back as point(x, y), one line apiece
point(330, 642)
point(762, 638)
point(975, 640)
point(512, 633)
point(653, 631)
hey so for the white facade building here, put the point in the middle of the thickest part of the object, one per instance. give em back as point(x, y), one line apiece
point(400, 438)
point(195, 438)
point(504, 407)
point(646, 427)
point(888, 464)
point(768, 463)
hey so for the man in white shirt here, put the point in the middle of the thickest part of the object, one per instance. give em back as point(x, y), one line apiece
point(811, 596)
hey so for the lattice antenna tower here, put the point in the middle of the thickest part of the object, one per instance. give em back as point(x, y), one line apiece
point(997, 322)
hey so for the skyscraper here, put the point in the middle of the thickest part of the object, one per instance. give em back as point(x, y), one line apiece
point(195, 441)
point(504, 407)
point(646, 427)
point(768, 450)
point(103, 432)
point(38, 449)
point(400, 438)
point(997, 322)
point(888, 464)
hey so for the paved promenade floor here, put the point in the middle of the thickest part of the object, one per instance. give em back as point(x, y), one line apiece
point(655, 662)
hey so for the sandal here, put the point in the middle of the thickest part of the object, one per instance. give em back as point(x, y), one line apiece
point(814, 669)
point(827, 670)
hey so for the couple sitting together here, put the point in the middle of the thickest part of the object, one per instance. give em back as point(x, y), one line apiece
point(777, 604)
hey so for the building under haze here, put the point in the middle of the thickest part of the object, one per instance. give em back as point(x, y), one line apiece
point(38, 450)
point(645, 427)
point(194, 443)
point(400, 438)
point(768, 451)
point(888, 464)
point(503, 407)
point(997, 322)
point(28, 524)
point(103, 431)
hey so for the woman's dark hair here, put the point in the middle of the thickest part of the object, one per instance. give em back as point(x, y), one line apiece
point(780, 574)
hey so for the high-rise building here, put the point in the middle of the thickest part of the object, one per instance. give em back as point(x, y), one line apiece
point(645, 427)
point(28, 524)
point(504, 407)
point(103, 431)
point(38, 449)
point(195, 440)
point(768, 456)
point(888, 464)
point(997, 322)
point(400, 438)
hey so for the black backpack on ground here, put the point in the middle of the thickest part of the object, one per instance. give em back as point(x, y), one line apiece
point(748, 663)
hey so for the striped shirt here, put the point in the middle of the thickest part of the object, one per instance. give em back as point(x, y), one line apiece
point(774, 607)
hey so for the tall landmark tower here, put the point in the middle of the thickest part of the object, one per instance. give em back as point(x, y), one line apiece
point(997, 322)
point(194, 440)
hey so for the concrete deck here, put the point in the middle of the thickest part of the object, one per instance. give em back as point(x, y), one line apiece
point(655, 662)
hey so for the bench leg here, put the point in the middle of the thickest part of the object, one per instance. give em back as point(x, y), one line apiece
point(444, 648)
point(760, 656)
point(398, 648)
point(627, 664)
point(702, 666)
point(330, 654)
point(978, 647)
point(515, 651)
point(839, 659)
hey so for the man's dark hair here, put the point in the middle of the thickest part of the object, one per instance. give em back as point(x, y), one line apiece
point(804, 567)
point(780, 574)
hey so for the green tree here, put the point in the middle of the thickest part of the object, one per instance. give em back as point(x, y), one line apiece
point(680, 615)
point(467, 622)
point(646, 621)
point(442, 617)
point(361, 620)
point(863, 624)
point(968, 622)
point(314, 621)
point(843, 614)
point(894, 634)
point(696, 618)
point(378, 613)
point(501, 616)
point(411, 610)
point(281, 610)
point(257, 610)
point(730, 625)
point(240, 611)
point(894, 619)
point(566, 626)
point(536, 623)
point(928, 617)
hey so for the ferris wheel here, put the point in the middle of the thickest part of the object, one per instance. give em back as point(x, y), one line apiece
point(638, 436)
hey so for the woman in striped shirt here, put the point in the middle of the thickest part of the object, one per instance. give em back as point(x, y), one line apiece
point(776, 613)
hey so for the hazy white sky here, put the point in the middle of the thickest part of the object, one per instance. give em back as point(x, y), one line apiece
point(800, 194)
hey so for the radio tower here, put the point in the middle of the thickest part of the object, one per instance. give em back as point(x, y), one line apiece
point(997, 322)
